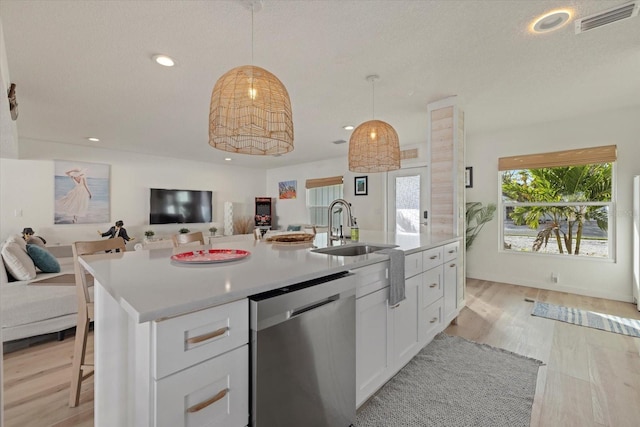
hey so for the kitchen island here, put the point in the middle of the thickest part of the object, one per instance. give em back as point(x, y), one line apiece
point(162, 326)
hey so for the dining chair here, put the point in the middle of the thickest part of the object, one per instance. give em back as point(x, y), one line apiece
point(184, 238)
point(85, 310)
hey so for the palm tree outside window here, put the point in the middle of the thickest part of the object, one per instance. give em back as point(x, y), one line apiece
point(564, 205)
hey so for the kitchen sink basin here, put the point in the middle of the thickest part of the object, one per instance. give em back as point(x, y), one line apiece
point(353, 249)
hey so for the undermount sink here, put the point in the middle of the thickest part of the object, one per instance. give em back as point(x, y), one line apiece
point(352, 249)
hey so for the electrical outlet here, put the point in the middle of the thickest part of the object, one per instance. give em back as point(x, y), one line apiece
point(17, 212)
point(554, 278)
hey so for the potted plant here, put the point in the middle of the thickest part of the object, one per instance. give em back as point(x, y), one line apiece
point(476, 217)
point(149, 234)
point(213, 230)
point(183, 230)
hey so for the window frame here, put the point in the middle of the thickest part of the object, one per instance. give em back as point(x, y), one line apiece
point(309, 206)
point(611, 227)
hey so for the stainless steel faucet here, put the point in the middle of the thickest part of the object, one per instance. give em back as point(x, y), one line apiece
point(347, 206)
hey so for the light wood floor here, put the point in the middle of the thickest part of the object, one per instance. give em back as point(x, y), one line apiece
point(590, 377)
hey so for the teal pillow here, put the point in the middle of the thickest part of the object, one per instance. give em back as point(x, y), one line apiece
point(43, 259)
point(294, 228)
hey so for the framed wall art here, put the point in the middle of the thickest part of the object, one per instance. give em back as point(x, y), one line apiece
point(81, 193)
point(287, 189)
point(361, 186)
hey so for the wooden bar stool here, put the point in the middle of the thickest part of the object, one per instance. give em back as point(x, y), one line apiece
point(85, 311)
point(183, 239)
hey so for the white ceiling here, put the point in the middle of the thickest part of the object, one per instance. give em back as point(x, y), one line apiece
point(84, 68)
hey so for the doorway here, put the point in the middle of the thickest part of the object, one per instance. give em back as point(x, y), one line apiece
point(407, 201)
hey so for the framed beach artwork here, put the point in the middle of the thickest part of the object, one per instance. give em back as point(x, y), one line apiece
point(287, 189)
point(360, 184)
point(81, 193)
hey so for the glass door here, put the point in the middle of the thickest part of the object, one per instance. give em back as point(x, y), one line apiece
point(407, 200)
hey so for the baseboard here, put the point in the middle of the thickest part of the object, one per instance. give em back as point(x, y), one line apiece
point(519, 281)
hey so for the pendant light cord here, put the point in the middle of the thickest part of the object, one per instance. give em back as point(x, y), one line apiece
point(252, 8)
point(373, 97)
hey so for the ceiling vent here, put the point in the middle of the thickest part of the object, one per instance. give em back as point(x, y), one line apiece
point(627, 10)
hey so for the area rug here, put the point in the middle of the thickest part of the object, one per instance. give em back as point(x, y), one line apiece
point(591, 319)
point(455, 382)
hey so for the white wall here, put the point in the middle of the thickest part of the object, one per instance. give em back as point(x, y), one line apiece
point(578, 275)
point(368, 209)
point(27, 184)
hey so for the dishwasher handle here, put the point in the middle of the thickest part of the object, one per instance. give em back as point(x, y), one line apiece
point(308, 307)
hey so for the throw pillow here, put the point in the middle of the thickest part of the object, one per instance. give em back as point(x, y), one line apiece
point(18, 262)
point(294, 228)
point(36, 240)
point(43, 259)
point(19, 241)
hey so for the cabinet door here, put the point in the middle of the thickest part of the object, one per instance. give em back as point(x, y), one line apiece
point(431, 321)
point(214, 393)
point(404, 317)
point(450, 290)
point(372, 343)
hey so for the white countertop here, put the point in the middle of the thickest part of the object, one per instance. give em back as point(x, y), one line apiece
point(150, 286)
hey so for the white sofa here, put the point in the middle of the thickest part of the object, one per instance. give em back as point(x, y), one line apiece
point(29, 309)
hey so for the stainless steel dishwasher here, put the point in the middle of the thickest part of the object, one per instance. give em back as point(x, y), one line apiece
point(303, 354)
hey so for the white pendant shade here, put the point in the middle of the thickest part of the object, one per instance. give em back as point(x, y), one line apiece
point(250, 113)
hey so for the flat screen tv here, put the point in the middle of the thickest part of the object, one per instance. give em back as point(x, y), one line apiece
point(179, 206)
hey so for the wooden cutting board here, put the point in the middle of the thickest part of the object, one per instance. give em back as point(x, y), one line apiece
point(298, 237)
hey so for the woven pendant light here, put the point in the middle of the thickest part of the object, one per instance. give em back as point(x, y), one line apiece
point(250, 111)
point(374, 145)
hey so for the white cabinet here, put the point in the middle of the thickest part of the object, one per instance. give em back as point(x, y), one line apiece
point(373, 352)
point(404, 320)
point(189, 370)
point(213, 393)
point(200, 366)
point(388, 337)
point(453, 286)
point(430, 319)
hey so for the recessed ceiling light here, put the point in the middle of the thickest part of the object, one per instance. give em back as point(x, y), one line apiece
point(92, 139)
point(348, 127)
point(228, 159)
point(164, 60)
point(550, 21)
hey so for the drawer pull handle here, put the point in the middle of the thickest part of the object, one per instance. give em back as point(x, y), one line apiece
point(433, 285)
point(208, 336)
point(214, 399)
point(452, 265)
point(452, 251)
point(433, 257)
point(434, 320)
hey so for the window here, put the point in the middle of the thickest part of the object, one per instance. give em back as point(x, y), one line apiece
point(559, 203)
point(320, 193)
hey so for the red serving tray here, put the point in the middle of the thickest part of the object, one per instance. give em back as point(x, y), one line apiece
point(210, 256)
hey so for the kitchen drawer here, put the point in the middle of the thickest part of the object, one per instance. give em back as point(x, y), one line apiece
point(432, 285)
point(214, 393)
point(371, 278)
point(431, 321)
point(451, 251)
point(412, 264)
point(431, 258)
point(183, 341)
